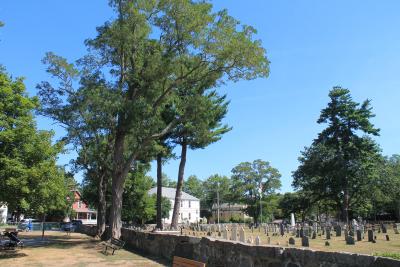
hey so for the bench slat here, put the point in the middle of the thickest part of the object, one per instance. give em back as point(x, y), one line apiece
point(182, 262)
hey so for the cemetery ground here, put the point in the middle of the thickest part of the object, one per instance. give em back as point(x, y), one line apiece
point(336, 244)
point(59, 249)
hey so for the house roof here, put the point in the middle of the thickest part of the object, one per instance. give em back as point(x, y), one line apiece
point(169, 193)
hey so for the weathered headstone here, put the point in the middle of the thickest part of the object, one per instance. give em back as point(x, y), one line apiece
point(370, 235)
point(258, 241)
point(350, 240)
point(305, 242)
point(384, 229)
point(242, 236)
point(328, 233)
point(225, 233)
point(301, 232)
point(359, 235)
point(234, 233)
point(338, 230)
point(387, 238)
point(292, 241)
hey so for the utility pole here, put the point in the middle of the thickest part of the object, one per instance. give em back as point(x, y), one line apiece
point(260, 191)
point(218, 202)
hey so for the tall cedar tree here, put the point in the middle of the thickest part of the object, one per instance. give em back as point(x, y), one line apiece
point(341, 161)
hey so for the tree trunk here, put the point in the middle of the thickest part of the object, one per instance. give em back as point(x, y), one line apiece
point(43, 220)
point(159, 191)
point(118, 179)
point(102, 207)
point(178, 194)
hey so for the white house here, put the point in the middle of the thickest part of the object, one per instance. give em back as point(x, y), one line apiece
point(3, 213)
point(190, 205)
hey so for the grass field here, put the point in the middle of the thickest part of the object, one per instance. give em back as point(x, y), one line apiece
point(76, 250)
point(336, 243)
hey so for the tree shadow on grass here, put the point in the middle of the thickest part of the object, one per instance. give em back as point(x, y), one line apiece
point(11, 253)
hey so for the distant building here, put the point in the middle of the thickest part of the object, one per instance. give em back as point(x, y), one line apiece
point(82, 210)
point(3, 213)
point(190, 205)
point(229, 211)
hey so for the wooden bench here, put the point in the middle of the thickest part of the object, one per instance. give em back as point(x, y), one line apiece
point(182, 262)
point(114, 244)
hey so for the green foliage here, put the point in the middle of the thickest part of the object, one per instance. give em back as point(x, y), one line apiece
point(138, 205)
point(213, 185)
point(341, 163)
point(194, 186)
point(30, 181)
point(167, 182)
point(252, 181)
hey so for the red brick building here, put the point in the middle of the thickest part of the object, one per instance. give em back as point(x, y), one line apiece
point(82, 210)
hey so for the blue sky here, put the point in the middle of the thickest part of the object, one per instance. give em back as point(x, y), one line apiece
point(312, 46)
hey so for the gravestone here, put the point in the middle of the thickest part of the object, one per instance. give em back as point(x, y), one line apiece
point(292, 241)
point(328, 234)
point(258, 241)
point(327, 243)
point(338, 230)
point(387, 238)
point(306, 231)
point(359, 235)
point(370, 235)
point(350, 240)
point(384, 229)
point(234, 233)
point(297, 233)
point(282, 230)
point(225, 233)
point(314, 235)
point(269, 240)
point(242, 236)
point(301, 232)
point(305, 242)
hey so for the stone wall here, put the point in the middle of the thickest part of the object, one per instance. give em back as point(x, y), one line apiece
point(227, 253)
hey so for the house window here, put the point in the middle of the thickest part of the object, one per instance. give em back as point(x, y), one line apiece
point(190, 204)
point(79, 204)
